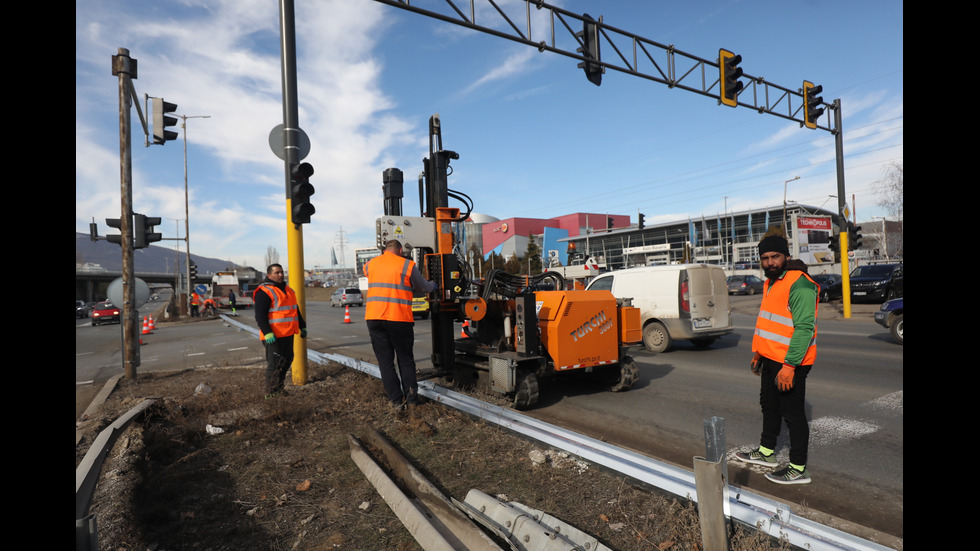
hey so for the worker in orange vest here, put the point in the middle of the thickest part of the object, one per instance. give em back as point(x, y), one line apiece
point(785, 346)
point(195, 302)
point(279, 319)
point(392, 279)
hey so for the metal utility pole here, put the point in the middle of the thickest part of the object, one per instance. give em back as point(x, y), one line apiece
point(187, 214)
point(291, 154)
point(124, 67)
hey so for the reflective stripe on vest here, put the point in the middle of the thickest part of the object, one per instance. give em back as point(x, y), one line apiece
point(389, 294)
point(774, 326)
point(283, 312)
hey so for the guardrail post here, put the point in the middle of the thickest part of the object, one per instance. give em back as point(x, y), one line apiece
point(711, 483)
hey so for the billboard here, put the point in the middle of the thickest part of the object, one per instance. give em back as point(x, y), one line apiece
point(812, 241)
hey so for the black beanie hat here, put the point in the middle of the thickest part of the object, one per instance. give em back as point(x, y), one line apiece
point(773, 243)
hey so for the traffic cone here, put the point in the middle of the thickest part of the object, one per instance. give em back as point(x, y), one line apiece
point(347, 314)
point(153, 326)
point(146, 326)
point(462, 332)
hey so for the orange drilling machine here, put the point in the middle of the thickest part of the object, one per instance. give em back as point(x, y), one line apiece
point(518, 330)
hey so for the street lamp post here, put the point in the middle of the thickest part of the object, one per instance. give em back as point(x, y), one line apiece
point(785, 230)
point(187, 215)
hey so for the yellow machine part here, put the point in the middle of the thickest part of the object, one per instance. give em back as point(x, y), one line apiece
point(580, 328)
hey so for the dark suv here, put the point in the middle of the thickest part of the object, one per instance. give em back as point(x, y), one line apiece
point(877, 282)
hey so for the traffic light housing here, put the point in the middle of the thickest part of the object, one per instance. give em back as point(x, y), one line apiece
point(854, 237)
point(730, 72)
point(300, 190)
point(114, 223)
point(609, 222)
point(193, 270)
point(812, 102)
point(835, 243)
point(162, 122)
point(143, 233)
point(639, 220)
point(590, 49)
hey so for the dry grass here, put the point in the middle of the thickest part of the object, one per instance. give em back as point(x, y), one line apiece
point(280, 476)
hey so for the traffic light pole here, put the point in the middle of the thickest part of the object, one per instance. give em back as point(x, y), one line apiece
point(294, 232)
point(125, 68)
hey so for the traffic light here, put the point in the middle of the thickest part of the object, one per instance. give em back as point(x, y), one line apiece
point(609, 222)
point(639, 220)
point(161, 122)
point(300, 190)
point(811, 104)
point(143, 230)
point(854, 237)
point(193, 270)
point(730, 72)
point(590, 49)
point(835, 243)
point(114, 223)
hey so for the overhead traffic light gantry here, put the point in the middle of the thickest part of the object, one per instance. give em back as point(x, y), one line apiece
point(811, 104)
point(300, 190)
point(143, 233)
point(162, 121)
point(729, 76)
point(589, 36)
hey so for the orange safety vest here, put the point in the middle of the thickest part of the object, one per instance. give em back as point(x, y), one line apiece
point(195, 299)
point(283, 312)
point(389, 295)
point(774, 326)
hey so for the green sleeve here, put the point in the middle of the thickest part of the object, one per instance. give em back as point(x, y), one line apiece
point(803, 305)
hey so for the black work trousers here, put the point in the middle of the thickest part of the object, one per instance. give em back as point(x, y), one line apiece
point(393, 340)
point(789, 406)
point(278, 359)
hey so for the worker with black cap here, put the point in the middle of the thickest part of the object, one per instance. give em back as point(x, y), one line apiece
point(785, 347)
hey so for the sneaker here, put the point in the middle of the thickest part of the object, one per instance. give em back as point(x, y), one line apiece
point(757, 458)
point(789, 475)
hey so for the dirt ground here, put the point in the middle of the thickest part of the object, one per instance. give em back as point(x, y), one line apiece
point(279, 475)
point(213, 465)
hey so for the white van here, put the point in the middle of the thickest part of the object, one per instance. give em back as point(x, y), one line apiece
point(681, 301)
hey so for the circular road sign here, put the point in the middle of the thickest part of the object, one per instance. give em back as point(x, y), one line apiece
point(115, 292)
point(277, 141)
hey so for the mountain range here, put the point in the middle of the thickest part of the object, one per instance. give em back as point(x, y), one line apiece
point(149, 259)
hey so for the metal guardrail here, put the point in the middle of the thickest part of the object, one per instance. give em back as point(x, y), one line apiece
point(774, 518)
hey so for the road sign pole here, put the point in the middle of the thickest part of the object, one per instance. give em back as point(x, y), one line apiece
point(294, 232)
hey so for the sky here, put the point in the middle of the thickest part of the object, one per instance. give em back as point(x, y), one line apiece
point(535, 138)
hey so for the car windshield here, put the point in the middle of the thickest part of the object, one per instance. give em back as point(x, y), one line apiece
point(873, 271)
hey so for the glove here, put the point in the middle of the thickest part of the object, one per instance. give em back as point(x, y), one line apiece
point(302, 333)
point(269, 339)
point(784, 379)
point(756, 363)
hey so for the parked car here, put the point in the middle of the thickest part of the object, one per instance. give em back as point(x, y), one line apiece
point(877, 282)
point(890, 316)
point(347, 296)
point(676, 302)
point(831, 286)
point(105, 312)
point(744, 285)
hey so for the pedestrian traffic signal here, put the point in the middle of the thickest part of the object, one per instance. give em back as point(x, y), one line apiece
point(300, 190)
point(854, 237)
point(162, 122)
point(639, 220)
point(589, 37)
point(730, 72)
point(811, 104)
point(143, 233)
point(114, 223)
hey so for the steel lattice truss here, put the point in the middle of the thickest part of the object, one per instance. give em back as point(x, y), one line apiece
point(633, 54)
